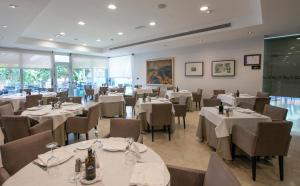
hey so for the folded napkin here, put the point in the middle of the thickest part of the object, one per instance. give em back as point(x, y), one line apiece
point(38, 113)
point(148, 174)
point(60, 156)
point(114, 144)
point(246, 111)
point(183, 91)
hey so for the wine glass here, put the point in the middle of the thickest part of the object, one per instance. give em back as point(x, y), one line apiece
point(96, 132)
point(71, 100)
point(130, 158)
point(39, 103)
point(52, 160)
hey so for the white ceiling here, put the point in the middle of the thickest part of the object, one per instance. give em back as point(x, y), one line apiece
point(35, 21)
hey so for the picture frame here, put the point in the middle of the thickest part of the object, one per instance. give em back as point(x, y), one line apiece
point(160, 71)
point(252, 60)
point(223, 68)
point(194, 68)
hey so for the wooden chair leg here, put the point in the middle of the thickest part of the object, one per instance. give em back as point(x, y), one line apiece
point(280, 158)
point(152, 133)
point(253, 161)
point(169, 130)
point(178, 120)
point(86, 136)
point(78, 136)
point(67, 139)
point(184, 122)
point(196, 105)
point(233, 148)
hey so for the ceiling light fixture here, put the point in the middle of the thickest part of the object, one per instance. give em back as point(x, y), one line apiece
point(112, 7)
point(4, 26)
point(298, 38)
point(13, 6)
point(120, 33)
point(209, 11)
point(81, 23)
point(204, 8)
point(62, 34)
point(250, 32)
point(84, 44)
point(152, 23)
point(50, 39)
point(98, 40)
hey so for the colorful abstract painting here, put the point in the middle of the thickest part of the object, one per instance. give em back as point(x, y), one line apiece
point(160, 71)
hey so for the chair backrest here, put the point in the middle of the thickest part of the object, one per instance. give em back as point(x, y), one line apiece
point(273, 138)
point(50, 89)
point(103, 90)
point(130, 100)
point(17, 154)
point(89, 92)
point(125, 128)
point(197, 96)
point(182, 100)
point(199, 91)
point(96, 97)
point(15, 127)
point(76, 99)
point(217, 92)
point(260, 103)
point(211, 102)
point(262, 94)
point(32, 100)
point(6, 108)
point(218, 174)
point(63, 94)
point(27, 90)
point(51, 99)
point(161, 114)
point(275, 113)
point(93, 115)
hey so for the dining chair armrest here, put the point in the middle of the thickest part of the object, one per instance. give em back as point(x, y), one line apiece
point(185, 176)
point(77, 124)
point(4, 175)
point(244, 139)
point(41, 127)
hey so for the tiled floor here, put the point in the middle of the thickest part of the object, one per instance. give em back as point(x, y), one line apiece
point(185, 150)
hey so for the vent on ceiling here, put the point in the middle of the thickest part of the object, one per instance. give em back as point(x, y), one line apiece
point(217, 27)
point(140, 27)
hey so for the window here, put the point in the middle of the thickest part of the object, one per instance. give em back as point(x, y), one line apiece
point(120, 71)
point(62, 71)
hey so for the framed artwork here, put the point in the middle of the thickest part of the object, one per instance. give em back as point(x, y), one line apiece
point(194, 69)
point(160, 71)
point(223, 68)
point(252, 59)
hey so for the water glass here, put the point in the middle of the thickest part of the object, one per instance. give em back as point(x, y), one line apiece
point(39, 103)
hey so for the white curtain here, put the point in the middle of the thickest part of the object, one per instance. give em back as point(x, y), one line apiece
point(9, 58)
point(36, 60)
point(120, 67)
point(80, 61)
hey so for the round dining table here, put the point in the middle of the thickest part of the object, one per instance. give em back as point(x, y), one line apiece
point(112, 169)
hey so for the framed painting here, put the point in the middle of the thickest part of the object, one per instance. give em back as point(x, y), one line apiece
point(252, 59)
point(223, 68)
point(194, 69)
point(160, 71)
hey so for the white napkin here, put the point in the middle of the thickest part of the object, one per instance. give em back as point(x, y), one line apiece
point(246, 111)
point(114, 144)
point(61, 155)
point(148, 174)
point(38, 113)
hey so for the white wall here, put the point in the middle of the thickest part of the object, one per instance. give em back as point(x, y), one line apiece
point(246, 80)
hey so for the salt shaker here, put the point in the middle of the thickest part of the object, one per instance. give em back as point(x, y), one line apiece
point(78, 165)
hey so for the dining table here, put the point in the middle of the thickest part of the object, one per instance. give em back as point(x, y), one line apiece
point(112, 104)
point(181, 93)
point(141, 91)
point(116, 165)
point(59, 116)
point(231, 100)
point(215, 129)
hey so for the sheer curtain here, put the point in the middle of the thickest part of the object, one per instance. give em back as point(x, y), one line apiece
point(120, 70)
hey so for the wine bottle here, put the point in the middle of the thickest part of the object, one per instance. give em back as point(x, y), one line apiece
point(90, 165)
point(221, 109)
point(177, 89)
point(237, 93)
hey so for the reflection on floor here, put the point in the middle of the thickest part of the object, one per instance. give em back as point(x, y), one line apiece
point(185, 150)
point(293, 105)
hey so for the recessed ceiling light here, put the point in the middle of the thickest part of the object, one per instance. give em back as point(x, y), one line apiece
point(209, 11)
point(152, 23)
point(62, 34)
point(81, 23)
point(50, 39)
point(84, 44)
point(298, 38)
point(120, 33)
point(204, 8)
point(12, 6)
point(112, 6)
point(98, 40)
point(290, 53)
point(4, 26)
point(162, 6)
point(250, 32)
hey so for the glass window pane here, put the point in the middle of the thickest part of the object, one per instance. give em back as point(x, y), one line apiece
point(10, 81)
point(62, 71)
point(37, 78)
point(61, 59)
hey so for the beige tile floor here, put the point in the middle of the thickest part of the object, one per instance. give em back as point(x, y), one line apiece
point(185, 150)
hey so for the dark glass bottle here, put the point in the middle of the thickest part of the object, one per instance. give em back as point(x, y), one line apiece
point(90, 166)
point(221, 109)
point(144, 97)
point(237, 93)
point(177, 89)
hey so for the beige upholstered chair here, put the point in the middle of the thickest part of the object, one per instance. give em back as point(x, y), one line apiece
point(6, 108)
point(197, 96)
point(181, 109)
point(51, 99)
point(275, 113)
point(130, 101)
point(217, 92)
point(82, 125)
point(262, 142)
point(262, 94)
point(63, 94)
point(32, 100)
point(19, 153)
point(50, 89)
point(16, 127)
point(258, 106)
point(161, 116)
point(27, 90)
point(211, 102)
point(96, 97)
point(126, 128)
point(76, 99)
point(103, 90)
point(217, 174)
point(89, 93)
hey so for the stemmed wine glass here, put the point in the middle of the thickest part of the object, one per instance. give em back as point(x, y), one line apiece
point(129, 154)
point(52, 160)
point(39, 103)
point(96, 132)
point(71, 100)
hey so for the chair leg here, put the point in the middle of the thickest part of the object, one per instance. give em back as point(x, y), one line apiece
point(280, 158)
point(253, 161)
point(233, 148)
point(78, 136)
point(169, 129)
point(196, 105)
point(152, 133)
point(67, 139)
point(184, 122)
point(87, 136)
point(178, 120)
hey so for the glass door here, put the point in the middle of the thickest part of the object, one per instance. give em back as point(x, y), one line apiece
point(62, 74)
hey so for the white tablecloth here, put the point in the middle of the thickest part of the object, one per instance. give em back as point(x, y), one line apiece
point(16, 99)
point(224, 124)
point(59, 116)
point(112, 98)
point(140, 106)
point(182, 93)
point(143, 90)
point(231, 100)
point(114, 170)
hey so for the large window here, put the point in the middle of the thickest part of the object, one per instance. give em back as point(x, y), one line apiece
point(120, 71)
point(62, 71)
